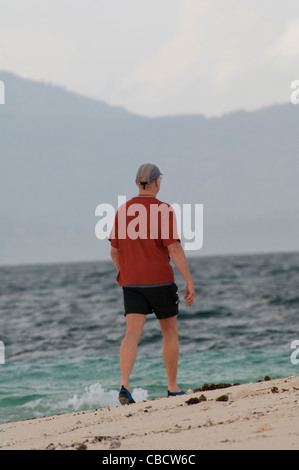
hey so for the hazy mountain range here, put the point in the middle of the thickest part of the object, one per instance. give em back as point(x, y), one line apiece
point(62, 155)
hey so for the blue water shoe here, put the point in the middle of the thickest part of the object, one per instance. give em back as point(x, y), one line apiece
point(125, 397)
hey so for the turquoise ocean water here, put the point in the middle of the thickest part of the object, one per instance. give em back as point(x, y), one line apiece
point(62, 325)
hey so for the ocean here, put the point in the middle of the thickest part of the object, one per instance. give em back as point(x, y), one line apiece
point(61, 326)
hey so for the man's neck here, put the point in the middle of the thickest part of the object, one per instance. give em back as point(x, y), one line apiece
point(146, 194)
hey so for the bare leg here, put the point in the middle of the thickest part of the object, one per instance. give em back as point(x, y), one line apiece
point(169, 330)
point(129, 346)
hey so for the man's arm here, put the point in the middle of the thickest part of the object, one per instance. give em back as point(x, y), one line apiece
point(114, 255)
point(177, 255)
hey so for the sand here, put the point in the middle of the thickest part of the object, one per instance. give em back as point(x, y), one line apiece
point(263, 415)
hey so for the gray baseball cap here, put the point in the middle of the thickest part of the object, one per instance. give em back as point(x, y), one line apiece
point(147, 173)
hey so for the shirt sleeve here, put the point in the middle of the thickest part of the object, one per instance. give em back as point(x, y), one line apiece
point(169, 229)
point(113, 237)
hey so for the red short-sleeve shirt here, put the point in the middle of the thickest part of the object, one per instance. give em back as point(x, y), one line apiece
point(143, 229)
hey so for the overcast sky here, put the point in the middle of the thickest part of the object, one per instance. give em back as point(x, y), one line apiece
point(157, 57)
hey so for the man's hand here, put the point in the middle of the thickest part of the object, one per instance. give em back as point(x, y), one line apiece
point(177, 254)
point(189, 294)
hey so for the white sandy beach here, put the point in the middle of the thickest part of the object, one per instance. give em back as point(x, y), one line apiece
point(262, 415)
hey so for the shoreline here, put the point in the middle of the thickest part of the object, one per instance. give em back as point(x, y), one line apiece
point(262, 415)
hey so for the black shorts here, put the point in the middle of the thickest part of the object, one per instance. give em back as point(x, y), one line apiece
point(161, 300)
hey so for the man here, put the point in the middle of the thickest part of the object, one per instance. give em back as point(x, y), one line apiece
point(141, 248)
